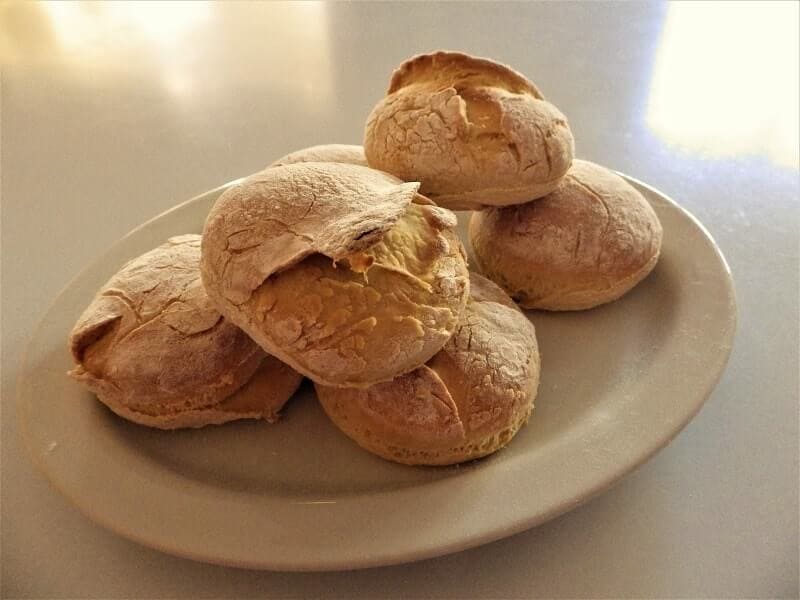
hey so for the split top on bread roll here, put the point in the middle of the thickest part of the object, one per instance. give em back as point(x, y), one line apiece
point(338, 153)
point(468, 401)
point(588, 242)
point(343, 272)
point(474, 132)
point(156, 351)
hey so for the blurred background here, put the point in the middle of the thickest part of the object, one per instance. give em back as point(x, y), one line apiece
point(112, 112)
point(193, 94)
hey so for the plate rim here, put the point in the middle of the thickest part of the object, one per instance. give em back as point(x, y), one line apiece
point(609, 478)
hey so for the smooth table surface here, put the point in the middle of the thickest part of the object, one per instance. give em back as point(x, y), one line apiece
point(113, 113)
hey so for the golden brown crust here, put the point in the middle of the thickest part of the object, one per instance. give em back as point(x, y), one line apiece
point(261, 397)
point(473, 132)
point(444, 67)
point(587, 243)
point(276, 218)
point(338, 153)
point(152, 346)
point(469, 400)
point(331, 268)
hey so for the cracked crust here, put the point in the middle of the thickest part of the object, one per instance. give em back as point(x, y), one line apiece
point(338, 153)
point(332, 268)
point(587, 243)
point(156, 351)
point(468, 401)
point(474, 132)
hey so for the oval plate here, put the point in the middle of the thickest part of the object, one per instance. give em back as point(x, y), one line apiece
point(618, 383)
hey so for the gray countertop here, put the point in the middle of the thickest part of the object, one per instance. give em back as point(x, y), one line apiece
point(112, 114)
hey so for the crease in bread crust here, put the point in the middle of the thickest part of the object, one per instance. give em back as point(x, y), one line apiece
point(587, 243)
point(469, 400)
point(473, 132)
point(153, 348)
point(374, 290)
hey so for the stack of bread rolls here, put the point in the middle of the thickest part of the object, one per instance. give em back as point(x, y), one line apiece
point(342, 264)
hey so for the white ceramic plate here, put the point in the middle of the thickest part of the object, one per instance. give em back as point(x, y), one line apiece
point(618, 383)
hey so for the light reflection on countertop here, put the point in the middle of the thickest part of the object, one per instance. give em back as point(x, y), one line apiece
point(83, 28)
point(172, 39)
point(725, 83)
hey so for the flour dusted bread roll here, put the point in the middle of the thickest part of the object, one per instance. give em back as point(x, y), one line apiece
point(341, 271)
point(588, 242)
point(473, 131)
point(155, 350)
point(338, 153)
point(468, 401)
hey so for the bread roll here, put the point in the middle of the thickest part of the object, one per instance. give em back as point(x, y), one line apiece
point(468, 401)
point(343, 272)
point(474, 132)
point(589, 242)
point(339, 153)
point(156, 352)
